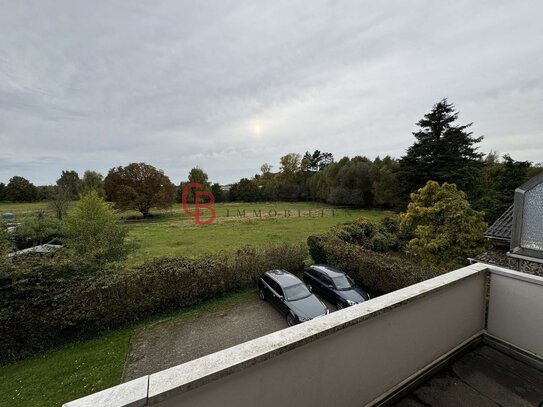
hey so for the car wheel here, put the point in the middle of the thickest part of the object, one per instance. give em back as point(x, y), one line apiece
point(262, 295)
point(291, 321)
point(340, 305)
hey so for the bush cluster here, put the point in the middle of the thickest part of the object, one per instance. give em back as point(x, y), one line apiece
point(371, 253)
point(379, 272)
point(36, 230)
point(383, 236)
point(47, 303)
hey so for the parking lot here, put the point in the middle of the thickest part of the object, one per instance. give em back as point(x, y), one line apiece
point(179, 340)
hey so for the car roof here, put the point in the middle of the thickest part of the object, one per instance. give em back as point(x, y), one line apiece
point(328, 270)
point(283, 278)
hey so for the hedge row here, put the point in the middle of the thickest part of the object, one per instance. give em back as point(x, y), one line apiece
point(49, 304)
point(370, 253)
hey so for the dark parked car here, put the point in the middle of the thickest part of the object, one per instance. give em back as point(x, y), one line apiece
point(334, 285)
point(290, 296)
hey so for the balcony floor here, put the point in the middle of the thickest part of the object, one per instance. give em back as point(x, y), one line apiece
point(482, 377)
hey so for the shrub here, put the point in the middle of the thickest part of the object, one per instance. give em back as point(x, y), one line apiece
point(443, 228)
point(382, 236)
point(360, 231)
point(36, 230)
point(45, 302)
point(94, 237)
point(5, 261)
point(316, 248)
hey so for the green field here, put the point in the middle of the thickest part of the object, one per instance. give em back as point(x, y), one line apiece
point(173, 233)
point(23, 209)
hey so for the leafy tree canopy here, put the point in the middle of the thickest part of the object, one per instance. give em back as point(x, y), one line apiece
point(20, 189)
point(265, 169)
point(196, 175)
point(217, 192)
point(59, 201)
point(70, 182)
point(384, 182)
point(93, 181)
point(497, 184)
point(290, 165)
point(245, 190)
point(140, 187)
point(316, 161)
point(2, 192)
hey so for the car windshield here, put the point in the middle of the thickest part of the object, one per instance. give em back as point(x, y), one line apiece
point(296, 292)
point(343, 283)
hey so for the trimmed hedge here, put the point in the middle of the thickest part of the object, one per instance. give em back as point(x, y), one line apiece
point(371, 253)
point(379, 272)
point(383, 236)
point(46, 304)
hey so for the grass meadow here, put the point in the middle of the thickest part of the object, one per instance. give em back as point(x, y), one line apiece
point(173, 233)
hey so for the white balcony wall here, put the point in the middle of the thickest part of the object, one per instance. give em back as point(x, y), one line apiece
point(515, 311)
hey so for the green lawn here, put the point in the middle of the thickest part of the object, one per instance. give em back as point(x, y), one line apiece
point(79, 369)
point(23, 209)
point(173, 233)
point(67, 373)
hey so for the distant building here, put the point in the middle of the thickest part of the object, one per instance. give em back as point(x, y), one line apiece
point(517, 235)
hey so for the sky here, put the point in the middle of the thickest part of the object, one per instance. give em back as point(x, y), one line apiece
point(230, 85)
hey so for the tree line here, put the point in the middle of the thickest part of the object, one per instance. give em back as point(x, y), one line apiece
point(19, 189)
point(443, 151)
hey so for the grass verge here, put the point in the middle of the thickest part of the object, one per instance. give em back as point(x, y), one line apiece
point(82, 368)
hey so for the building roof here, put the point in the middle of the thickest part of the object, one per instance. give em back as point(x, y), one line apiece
point(501, 229)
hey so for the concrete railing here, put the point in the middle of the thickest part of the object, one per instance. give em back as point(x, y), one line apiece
point(361, 355)
point(515, 310)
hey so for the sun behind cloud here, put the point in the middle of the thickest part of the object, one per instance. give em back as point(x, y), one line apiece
point(257, 128)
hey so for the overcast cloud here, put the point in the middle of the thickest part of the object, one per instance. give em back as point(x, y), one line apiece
point(229, 85)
